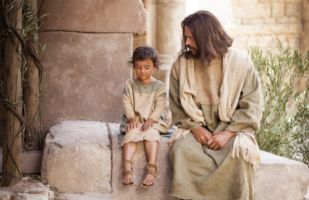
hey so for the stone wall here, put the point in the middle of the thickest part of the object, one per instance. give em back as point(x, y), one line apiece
point(269, 23)
point(305, 36)
point(88, 44)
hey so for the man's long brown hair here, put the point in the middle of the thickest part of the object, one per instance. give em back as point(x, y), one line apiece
point(209, 35)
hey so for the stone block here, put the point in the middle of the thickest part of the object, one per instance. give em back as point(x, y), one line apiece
point(283, 40)
point(266, 41)
point(251, 11)
point(280, 178)
point(266, 29)
point(26, 189)
point(84, 76)
point(124, 16)
point(77, 157)
point(241, 2)
point(271, 21)
point(287, 20)
point(163, 182)
point(306, 11)
point(305, 37)
point(293, 10)
point(294, 41)
point(280, 1)
point(4, 195)
point(306, 197)
point(277, 9)
point(259, 21)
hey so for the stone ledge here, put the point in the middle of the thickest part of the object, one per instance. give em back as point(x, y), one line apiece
point(292, 177)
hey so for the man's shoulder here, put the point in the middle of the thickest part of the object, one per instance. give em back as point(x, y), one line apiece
point(238, 53)
point(179, 57)
point(238, 57)
point(180, 60)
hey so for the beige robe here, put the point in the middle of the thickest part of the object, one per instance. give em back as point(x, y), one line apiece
point(144, 102)
point(194, 162)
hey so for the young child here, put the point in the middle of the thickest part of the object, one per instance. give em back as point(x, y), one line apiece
point(146, 114)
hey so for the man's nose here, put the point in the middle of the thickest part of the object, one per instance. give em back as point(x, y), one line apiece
point(188, 42)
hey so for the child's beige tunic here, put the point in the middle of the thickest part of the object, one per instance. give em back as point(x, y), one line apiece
point(146, 102)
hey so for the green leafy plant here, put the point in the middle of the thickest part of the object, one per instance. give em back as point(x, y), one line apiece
point(285, 122)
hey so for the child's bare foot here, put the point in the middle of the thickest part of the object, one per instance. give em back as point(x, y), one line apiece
point(151, 175)
point(127, 173)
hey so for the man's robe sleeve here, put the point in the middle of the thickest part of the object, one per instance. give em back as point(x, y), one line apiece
point(247, 115)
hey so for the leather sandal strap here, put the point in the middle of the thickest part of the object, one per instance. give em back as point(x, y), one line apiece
point(152, 169)
point(127, 172)
point(127, 162)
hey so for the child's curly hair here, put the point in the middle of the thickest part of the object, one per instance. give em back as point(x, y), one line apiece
point(145, 52)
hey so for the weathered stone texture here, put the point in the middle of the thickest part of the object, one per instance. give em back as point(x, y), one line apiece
point(307, 194)
point(26, 189)
point(278, 9)
point(84, 76)
point(94, 15)
point(268, 21)
point(77, 157)
point(305, 38)
point(280, 178)
point(280, 1)
point(305, 35)
point(293, 10)
point(241, 2)
point(251, 11)
point(306, 11)
point(265, 29)
point(4, 195)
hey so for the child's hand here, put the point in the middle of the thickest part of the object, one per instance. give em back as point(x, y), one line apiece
point(132, 124)
point(147, 124)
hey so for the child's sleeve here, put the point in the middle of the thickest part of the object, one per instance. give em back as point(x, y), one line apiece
point(160, 104)
point(128, 101)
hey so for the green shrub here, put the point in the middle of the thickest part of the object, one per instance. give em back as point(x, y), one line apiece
point(285, 122)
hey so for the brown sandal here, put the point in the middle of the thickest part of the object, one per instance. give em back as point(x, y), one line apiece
point(152, 170)
point(127, 173)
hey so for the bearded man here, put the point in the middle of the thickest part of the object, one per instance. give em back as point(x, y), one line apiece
point(217, 102)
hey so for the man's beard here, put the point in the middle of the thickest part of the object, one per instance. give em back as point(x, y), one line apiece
point(190, 52)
